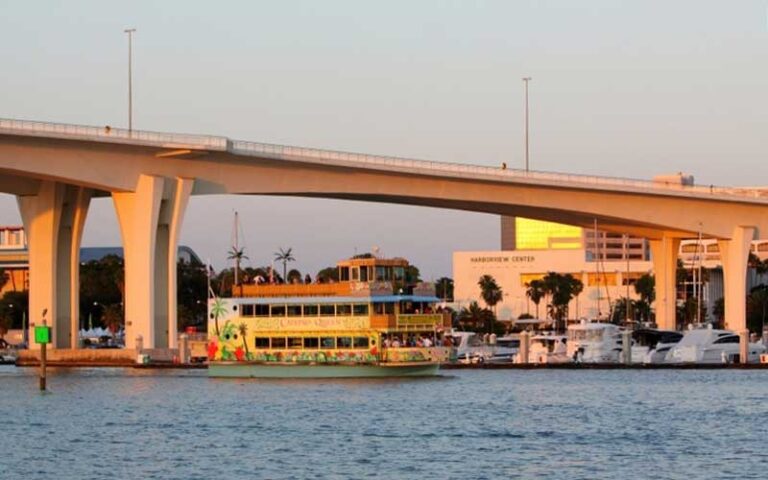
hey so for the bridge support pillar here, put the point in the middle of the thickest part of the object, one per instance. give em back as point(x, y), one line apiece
point(54, 220)
point(665, 253)
point(150, 220)
point(734, 254)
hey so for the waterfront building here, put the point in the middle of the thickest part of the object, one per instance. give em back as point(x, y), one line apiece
point(606, 263)
point(14, 257)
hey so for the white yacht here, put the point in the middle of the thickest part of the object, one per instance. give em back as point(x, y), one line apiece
point(594, 342)
point(470, 348)
point(650, 345)
point(708, 345)
point(546, 348)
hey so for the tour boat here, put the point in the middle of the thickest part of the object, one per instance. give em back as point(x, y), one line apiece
point(594, 342)
point(360, 326)
point(650, 345)
point(711, 346)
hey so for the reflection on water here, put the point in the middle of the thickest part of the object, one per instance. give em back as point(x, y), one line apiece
point(125, 423)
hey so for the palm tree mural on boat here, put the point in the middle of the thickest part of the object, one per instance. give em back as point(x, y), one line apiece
point(243, 330)
point(285, 256)
point(218, 309)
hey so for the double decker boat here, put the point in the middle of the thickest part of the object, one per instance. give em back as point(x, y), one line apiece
point(360, 326)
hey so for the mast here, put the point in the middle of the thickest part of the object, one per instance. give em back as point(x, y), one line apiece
point(596, 253)
point(236, 252)
point(698, 286)
point(626, 253)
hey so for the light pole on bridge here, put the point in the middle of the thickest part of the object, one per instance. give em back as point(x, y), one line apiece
point(130, 32)
point(525, 82)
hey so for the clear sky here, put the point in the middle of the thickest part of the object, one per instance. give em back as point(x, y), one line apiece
point(620, 88)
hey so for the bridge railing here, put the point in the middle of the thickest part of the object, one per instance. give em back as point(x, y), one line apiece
point(326, 156)
point(107, 133)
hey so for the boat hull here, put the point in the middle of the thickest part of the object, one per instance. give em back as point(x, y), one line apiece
point(261, 370)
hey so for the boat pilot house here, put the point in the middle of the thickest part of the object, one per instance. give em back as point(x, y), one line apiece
point(371, 318)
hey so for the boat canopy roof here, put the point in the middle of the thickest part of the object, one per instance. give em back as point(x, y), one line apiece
point(326, 300)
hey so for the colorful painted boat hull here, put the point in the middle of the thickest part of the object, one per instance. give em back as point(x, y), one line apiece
point(261, 370)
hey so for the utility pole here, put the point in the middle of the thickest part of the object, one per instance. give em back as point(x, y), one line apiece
point(130, 32)
point(525, 82)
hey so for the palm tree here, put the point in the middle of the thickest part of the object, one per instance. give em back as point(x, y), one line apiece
point(243, 330)
point(113, 318)
point(475, 317)
point(535, 292)
point(238, 255)
point(285, 256)
point(491, 293)
point(218, 309)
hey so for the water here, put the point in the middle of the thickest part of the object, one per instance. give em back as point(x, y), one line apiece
point(124, 423)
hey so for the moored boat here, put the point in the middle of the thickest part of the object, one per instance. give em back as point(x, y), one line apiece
point(357, 327)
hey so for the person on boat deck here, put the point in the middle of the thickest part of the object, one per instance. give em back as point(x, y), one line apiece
point(427, 342)
point(386, 342)
point(395, 342)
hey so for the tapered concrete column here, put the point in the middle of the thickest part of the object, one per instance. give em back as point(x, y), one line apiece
point(76, 203)
point(665, 253)
point(137, 213)
point(734, 254)
point(150, 222)
point(53, 221)
point(172, 210)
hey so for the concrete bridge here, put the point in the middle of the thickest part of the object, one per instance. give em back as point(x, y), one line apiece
point(54, 170)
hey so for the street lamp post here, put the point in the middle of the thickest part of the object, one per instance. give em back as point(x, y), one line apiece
point(525, 82)
point(130, 32)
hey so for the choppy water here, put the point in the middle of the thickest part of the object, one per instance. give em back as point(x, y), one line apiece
point(116, 423)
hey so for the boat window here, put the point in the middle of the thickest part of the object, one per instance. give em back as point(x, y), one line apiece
point(294, 310)
point(399, 274)
point(360, 309)
point(310, 310)
point(343, 309)
point(378, 308)
point(262, 342)
point(311, 342)
point(360, 342)
point(261, 310)
point(295, 342)
point(344, 342)
point(363, 274)
point(246, 310)
point(381, 274)
point(277, 342)
point(327, 310)
point(728, 339)
point(328, 342)
point(277, 310)
point(355, 274)
point(344, 274)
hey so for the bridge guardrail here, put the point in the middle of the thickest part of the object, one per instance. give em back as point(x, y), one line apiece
point(115, 134)
point(246, 147)
point(218, 143)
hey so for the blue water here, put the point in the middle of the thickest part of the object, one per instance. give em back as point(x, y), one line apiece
point(123, 423)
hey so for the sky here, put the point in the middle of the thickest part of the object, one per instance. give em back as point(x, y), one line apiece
point(619, 88)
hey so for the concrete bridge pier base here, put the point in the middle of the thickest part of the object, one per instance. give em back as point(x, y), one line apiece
point(665, 253)
point(54, 219)
point(735, 256)
point(150, 220)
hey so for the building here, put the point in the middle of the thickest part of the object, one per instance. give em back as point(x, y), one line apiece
point(608, 264)
point(14, 257)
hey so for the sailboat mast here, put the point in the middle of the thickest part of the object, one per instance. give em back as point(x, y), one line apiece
point(236, 252)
